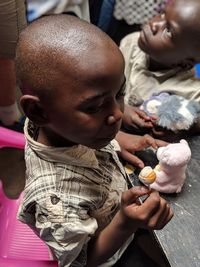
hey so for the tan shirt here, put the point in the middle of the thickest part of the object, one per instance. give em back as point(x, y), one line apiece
point(71, 194)
point(142, 83)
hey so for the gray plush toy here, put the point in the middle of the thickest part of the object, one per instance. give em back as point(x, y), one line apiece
point(174, 112)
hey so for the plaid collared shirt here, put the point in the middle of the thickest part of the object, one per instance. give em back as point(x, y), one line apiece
point(70, 195)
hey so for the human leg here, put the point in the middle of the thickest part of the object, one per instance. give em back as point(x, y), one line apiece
point(9, 112)
point(12, 21)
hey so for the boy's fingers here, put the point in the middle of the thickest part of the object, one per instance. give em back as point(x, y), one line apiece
point(161, 143)
point(151, 204)
point(155, 143)
point(142, 123)
point(163, 219)
point(168, 216)
point(131, 196)
point(162, 216)
point(128, 156)
point(143, 115)
point(157, 210)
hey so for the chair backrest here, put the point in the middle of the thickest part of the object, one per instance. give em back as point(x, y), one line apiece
point(19, 245)
point(10, 138)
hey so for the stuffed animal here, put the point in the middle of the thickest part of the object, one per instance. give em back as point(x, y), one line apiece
point(171, 170)
point(174, 112)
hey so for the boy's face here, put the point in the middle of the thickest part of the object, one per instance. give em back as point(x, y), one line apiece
point(89, 111)
point(167, 38)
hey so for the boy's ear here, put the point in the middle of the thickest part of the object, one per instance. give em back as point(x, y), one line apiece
point(33, 109)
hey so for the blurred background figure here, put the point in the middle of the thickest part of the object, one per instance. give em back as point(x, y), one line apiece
point(38, 8)
point(12, 21)
point(121, 17)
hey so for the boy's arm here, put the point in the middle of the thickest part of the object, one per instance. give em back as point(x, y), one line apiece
point(154, 213)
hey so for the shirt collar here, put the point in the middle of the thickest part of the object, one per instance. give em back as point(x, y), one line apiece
point(76, 155)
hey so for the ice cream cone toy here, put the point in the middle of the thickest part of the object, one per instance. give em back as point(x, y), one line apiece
point(133, 180)
point(147, 175)
point(129, 169)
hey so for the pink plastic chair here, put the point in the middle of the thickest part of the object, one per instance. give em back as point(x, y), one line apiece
point(19, 245)
point(9, 138)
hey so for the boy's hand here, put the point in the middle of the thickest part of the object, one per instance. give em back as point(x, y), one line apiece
point(153, 214)
point(135, 119)
point(130, 143)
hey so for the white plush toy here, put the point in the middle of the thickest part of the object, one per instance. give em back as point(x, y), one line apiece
point(174, 112)
point(170, 173)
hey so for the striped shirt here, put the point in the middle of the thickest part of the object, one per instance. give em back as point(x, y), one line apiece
point(71, 194)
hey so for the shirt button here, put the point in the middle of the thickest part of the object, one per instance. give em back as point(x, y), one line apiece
point(54, 199)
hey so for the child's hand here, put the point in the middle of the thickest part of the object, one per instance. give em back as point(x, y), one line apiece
point(135, 119)
point(153, 214)
point(130, 143)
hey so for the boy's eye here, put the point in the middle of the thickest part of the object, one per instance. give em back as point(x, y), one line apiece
point(162, 15)
point(168, 32)
point(92, 110)
point(122, 92)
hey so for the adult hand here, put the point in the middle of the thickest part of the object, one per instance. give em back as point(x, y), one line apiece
point(130, 143)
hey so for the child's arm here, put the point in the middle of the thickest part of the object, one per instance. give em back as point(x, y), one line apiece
point(130, 143)
point(154, 213)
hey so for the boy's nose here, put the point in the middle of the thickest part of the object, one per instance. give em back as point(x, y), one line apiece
point(116, 114)
point(156, 24)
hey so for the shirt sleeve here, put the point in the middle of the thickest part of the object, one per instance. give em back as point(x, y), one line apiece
point(66, 233)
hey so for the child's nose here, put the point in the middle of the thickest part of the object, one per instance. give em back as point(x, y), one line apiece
point(116, 114)
point(156, 25)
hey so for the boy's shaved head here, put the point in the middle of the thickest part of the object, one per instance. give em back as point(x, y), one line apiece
point(53, 41)
point(189, 15)
point(189, 18)
point(72, 79)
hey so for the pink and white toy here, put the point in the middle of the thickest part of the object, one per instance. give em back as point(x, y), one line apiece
point(171, 169)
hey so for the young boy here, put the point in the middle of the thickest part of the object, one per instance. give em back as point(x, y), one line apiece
point(161, 58)
point(76, 197)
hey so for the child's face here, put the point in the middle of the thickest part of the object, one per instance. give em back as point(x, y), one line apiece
point(167, 38)
point(89, 111)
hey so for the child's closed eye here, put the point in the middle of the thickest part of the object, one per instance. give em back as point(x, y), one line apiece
point(167, 31)
point(122, 92)
point(94, 109)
